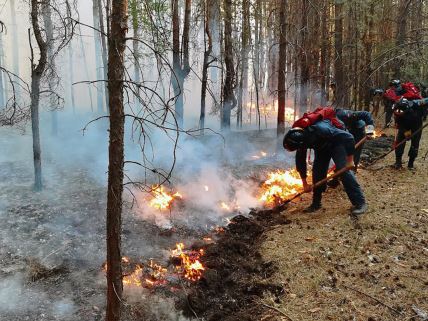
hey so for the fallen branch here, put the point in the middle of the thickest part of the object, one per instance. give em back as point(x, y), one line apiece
point(277, 310)
point(373, 298)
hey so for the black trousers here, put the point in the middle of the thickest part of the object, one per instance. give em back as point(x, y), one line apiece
point(414, 142)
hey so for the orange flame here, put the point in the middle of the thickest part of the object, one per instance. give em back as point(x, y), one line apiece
point(162, 200)
point(190, 266)
point(280, 186)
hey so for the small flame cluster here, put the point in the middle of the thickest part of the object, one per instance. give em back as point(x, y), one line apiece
point(280, 186)
point(163, 200)
point(190, 266)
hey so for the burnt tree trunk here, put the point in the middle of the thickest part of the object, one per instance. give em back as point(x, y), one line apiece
point(229, 100)
point(116, 73)
point(36, 76)
point(104, 52)
point(281, 67)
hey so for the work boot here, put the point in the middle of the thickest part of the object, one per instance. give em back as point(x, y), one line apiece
point(312, 208)
point(411, 165)
point(359, 209)
point(398, 164)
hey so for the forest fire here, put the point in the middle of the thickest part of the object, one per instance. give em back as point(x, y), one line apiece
point(162, 200)
point(189, 265)
point(279, 186)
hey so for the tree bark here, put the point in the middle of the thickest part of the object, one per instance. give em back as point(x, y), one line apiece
point(36, 75)
point(135, 9)
point(15, 45)
point(304, 64)
point(282, 58)
point(2, 87)
point(403, 13)
point(116, 73)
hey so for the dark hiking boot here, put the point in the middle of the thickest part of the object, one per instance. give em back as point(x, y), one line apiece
point(358, 210)
point(411, 164)
point(314, 207)
point(397, 165)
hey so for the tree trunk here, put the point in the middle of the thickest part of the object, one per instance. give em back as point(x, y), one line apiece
point(36, 75)
point(71, 70)
point(282, 58)
point(228, 95)
point(116, 73)
point(2, 87)
point(304, 64)
point(15, 45)
point(245, 34)
point(403, 13)
point(98, 55)
point(338, 46)
point(180, 59)
point(135, 9)
point(82, 49)
point(207, 56)
point(323, 59)
point(104, 52)
point(47, 19)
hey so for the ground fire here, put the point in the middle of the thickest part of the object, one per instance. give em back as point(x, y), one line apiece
point(163, 200)
point(188, 262)
point(280, 186)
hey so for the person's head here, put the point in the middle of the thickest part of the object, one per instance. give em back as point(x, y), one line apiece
point(377, 92)
point(401, 106)
point(294, 139)
point(396, 83)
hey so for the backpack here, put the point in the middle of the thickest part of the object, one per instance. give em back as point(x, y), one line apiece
point(321, 113)
point(412, 92)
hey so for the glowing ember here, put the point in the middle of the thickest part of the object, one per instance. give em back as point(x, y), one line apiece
point(134, 278)
point(163, 200)
point(280, 186)
point(206, 188)
point(190, 266)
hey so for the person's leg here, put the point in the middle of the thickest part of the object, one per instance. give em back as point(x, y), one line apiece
point(350, 183)
point(414, 147)
point(399, 151)
point(319, 172)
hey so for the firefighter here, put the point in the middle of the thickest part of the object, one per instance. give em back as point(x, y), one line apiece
point(408, 117)
point(328, 142)
point(359, 124)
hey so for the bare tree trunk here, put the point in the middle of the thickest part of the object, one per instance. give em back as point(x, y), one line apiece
point(116, 73)
point(180, 59)
point(36, 75)
point(2, 87)
point(15, 45)
point(229, 100)
point(324, 52)
point(304, 64)
point(98, 55)
point(82, 49)
point(338, 46)
point(71, 70)
point(282, 58)
point(104, 52)
point(135, 9)
point(244, 60)
point(207, 54)
point(403, 13)
point(47, 19)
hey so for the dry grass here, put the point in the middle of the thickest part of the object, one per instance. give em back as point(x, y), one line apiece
point(333, 269)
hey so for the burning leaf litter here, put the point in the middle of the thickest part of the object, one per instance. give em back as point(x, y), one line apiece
point(163, 200)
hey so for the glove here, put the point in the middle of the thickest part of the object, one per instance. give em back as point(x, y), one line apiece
point(407, 134)
point(370, 130)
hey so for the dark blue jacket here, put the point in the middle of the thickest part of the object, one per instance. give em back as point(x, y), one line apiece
point(354, 120)
point(320, 136)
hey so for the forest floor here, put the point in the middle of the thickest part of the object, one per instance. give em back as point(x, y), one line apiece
point(266, 266)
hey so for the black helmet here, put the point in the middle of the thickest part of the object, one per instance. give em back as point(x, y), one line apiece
point(395, 82)
point(401, 106)
point(377, 91)
point(293, 139)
